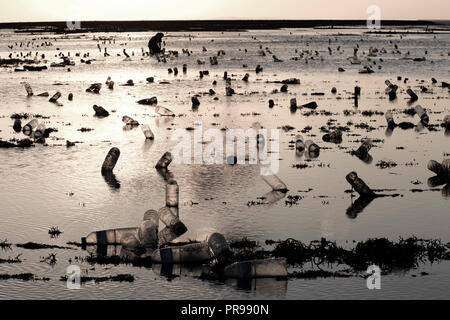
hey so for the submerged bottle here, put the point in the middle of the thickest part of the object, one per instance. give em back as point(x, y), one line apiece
point(390, 119)
point(172, 196)
point(108, 237)
point(29, 127)
point(359, 185)
point(299, 143)
point(28, 89)
point(190, 253)
point(148, 230)
point(268, 268)
point(148, 133)
point(39, 132)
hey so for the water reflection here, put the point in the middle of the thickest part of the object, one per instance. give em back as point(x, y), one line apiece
point(270, 287)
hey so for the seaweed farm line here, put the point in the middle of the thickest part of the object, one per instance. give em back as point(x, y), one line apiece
point(57, 184)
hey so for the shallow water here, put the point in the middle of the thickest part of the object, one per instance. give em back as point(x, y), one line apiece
point(54, 185)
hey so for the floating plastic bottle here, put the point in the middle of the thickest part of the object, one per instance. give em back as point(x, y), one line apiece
point(299, 143)
point(422, 114)
point(129, 121)
point(335, 137)
point(28, 89)
point(55, 97)
point(219, 247)
point(311, 147)
point(275, 183)
point(363, 150)
point(191, 253)
point(359, 185)
point(390, 119)
point(172, 195)
point(129, 241)
point(110, 160)
point(149, 101)
point(195, 102)
point(148, 133)
point(180, 270)
point(108, 237)
point(164, 112)
point(268, 268)
point(40, 130)
point(293, 104)
point(148, 230)
point(165, 160)
point(29, 127)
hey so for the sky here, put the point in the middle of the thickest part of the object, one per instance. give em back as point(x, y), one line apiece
point(83, 10)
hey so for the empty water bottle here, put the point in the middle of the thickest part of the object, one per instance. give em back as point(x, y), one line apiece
point(29, 127)
point(172, 195)
point(55, 97)
point(190, 253)
point(363, 150)
point(40, 130)
point(359, 185)
point(413, 96)
point(299, 143)
point(108, 237)
point(312, 148)
point(148, 133)
point(17, 126)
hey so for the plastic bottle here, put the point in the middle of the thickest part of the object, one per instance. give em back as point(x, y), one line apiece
point(28, 89)
point(40, 130)
point(299, 143)
point(108, 237)
point(55, 97)
point(148, 133)
point(335, 136)
point(359, 185)
point(29, 127)
point(390, 119)
point(268, 268)
point(311, 147)
point(165, 160)
point(275, 183)
point(148, 230)
point(110, 160)
point(172, 196)
point(197, 252)
point(363, 150)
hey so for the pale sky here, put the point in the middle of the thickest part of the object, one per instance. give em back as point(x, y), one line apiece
point(79, 10)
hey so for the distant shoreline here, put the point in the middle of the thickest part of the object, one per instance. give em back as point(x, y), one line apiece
point(204, 25)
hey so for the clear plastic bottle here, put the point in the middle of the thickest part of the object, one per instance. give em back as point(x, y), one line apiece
point(148, 230)
point(29, 127)
point(275, 183)
point(165, 160)
point(148, 133)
